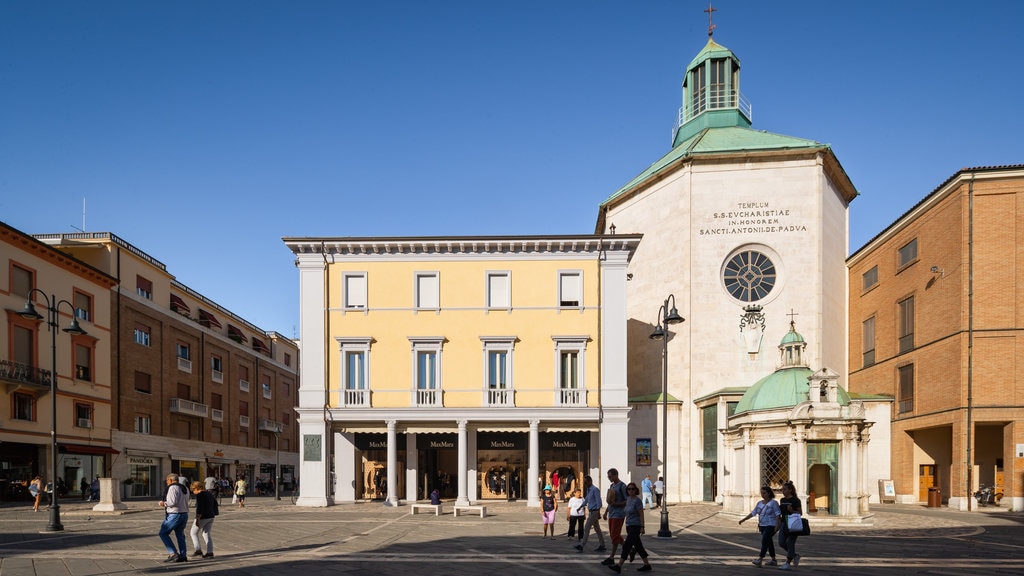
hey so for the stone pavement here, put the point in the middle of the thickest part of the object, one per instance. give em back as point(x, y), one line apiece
point(271, 537)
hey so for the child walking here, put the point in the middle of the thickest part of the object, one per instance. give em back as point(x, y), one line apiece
point(575, 514)
point(767, 512)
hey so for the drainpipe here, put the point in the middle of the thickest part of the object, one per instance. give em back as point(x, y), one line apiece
point(970, 341)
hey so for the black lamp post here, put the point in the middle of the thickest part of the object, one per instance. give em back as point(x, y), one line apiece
point(53, 324)
point(666, 316)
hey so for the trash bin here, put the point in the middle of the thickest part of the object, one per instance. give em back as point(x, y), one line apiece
point(934, 497)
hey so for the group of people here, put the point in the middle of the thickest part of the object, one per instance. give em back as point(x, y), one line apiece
point(175, 504)
point(624, 506)
point(625, 509)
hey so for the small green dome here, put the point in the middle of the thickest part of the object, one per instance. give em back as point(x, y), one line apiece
point(791, 337)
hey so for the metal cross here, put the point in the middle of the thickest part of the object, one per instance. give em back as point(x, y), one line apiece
point(792, 316)
point(711, 27)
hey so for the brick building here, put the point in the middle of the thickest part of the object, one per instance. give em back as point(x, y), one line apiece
point(200, 391)
point(34, 271)
point(936, 312)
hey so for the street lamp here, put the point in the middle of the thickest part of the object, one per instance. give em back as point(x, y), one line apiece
point(666, 316)
point(52, 323)
point(277, 463)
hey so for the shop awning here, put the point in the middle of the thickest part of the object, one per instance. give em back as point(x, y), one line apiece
point(83, 449)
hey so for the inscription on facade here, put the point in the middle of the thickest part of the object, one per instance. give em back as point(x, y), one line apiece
point(751, 218)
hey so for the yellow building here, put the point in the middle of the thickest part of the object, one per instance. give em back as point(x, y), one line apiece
point(478, 366)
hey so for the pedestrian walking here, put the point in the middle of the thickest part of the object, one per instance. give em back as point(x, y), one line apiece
point(83, 487)
point(94, 489)
point(767, 512)
point(240, 492)
point(592, 501)
point(791, 507)
point(175, 504)
point(35, 488)
point(615, 513)
point(575, 513)
point(548, 508)
point(633, 546)
point(659, 492)
point(206, 510)
point(647, 491)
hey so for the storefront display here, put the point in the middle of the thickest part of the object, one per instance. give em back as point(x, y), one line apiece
point(563, 457)
point(371, 466)
point(143, 475)
point(501, 462)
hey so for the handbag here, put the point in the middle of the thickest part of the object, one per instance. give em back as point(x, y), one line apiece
point(806, 527)
point(794, 523)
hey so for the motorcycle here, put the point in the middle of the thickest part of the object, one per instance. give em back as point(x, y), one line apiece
point(987, 495)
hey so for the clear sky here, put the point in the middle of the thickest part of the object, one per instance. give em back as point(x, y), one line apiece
point(203, 131)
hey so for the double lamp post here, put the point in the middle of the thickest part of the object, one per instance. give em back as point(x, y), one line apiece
point(666, 316)
point(53, 324)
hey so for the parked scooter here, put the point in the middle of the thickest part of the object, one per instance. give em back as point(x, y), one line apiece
point(987, 495)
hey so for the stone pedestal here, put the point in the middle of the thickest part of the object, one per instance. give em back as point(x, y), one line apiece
point(110, 497)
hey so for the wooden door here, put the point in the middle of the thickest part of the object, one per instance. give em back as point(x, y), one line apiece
point(925, 481)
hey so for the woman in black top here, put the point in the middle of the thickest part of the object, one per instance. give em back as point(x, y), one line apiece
point(790, 504)
point(206, 509)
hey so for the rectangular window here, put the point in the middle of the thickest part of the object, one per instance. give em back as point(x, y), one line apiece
point(23, 407)
point(870, 278)
point(426, 370)
point(216, 363)
point(184, 351)
point(216, 401)
point(697, 85)
point(83, 363)
point(287, 359)
point(83, 306)
point(427, 291)
point(184, 391)
point(243, 408)
point(906, 399)
point(143, 383)
point(774, 466)
point(266, 390)
point(717, 95)
point(286, 418)
point(869, 341)
point(907, 254)
point(570, 289)
point(355, 290)
point(497, 369)
point(355, 371)
point(498, 290)
point(83, 415)
point(22, 281)
point(569, 370)
point(24, 345)
point(144, 287)
point(142, 335)
point(906, 324)
point(143, 425)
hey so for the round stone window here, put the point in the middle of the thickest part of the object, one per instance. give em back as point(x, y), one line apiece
point(749, 276)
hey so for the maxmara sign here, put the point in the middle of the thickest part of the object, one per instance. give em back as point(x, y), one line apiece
point(752, 218)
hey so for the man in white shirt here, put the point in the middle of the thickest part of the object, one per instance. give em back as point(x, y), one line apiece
point(175, 504)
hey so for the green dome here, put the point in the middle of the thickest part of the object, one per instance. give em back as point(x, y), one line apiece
point(780, 389)
point(791, 337)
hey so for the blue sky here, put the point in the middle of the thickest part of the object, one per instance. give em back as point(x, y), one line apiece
point(204, 131)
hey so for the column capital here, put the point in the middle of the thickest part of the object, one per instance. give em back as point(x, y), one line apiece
point(462, 424)
point(534, 425)
point(392, 425)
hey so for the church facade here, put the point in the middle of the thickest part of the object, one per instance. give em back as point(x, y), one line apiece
point(746, 230)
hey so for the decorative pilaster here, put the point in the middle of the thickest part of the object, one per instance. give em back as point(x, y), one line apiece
point(533, 472)
point(392, 463)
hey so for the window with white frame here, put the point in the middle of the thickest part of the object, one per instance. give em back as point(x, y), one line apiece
point(499, 290)
point(428, 291)
point(498, 370)
point(142, 334)
point(570, 289)
point(83, 306)
point(184, 351)
point(355, 363)
point(355, 290)
point(83, 415)
point(426, 370)
point(570, 387)
point(143, 425)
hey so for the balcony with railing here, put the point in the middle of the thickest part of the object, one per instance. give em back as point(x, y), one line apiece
point(217, 376)
point(188, 407)
point(427, 397)
point(499, 397)
point(217, 415)
point(243, 421)
point(268, 425)
point(185, 365)
point(359, 398)
point(570, 397)
point(243, 385)
point(17, 375)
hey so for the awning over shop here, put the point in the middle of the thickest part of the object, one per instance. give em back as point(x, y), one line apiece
point(83, 449)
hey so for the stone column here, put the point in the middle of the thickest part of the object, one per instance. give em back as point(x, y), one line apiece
point(463, 476)
point(392, 464)
point(532, 494)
